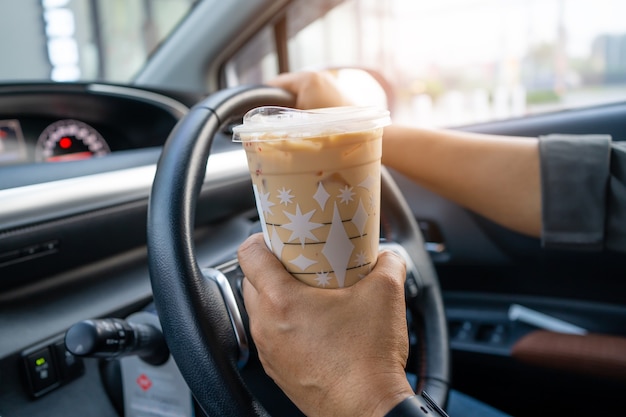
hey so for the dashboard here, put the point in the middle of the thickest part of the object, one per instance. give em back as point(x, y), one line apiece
point(73, 229)
point(61, 140)
point(58, 123)
point(69, 154)
point(62, 136)
point(58, 131)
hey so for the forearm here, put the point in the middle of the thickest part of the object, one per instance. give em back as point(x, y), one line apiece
point(495, 176)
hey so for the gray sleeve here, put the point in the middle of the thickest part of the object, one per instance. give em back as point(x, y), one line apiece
point(616, 200)
point(575, 174)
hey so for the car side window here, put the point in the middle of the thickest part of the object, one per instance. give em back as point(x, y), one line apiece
point(457, 62)
point(255, 62)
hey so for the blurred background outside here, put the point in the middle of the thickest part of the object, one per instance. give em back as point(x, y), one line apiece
point(455, 62)
point(83, 40)
point(450, 62)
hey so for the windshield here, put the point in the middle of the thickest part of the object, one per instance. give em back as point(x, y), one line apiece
point(83, 40)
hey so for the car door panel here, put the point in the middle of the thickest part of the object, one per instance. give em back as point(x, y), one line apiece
point(484, 269)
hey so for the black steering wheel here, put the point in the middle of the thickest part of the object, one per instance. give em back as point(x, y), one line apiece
point(195, 320)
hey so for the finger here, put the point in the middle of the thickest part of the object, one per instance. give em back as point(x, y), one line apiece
point(290, 81)
point(262, 269)
point(250, 296)
point(285, 82)
point(390, 271)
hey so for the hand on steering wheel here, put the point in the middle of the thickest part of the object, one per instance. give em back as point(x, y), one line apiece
point(191, 308)
point(324, 346)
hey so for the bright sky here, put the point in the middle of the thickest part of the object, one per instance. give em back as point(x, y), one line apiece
point(466, 27)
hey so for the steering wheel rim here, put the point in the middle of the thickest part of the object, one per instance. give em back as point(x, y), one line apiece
point(195, 321)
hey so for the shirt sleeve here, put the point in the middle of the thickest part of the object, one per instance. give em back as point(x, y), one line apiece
point(615, 230)
point(575, 178)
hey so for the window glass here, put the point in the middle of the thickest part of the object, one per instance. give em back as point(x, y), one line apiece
point(129, 31)
point(83, 40)
point(255, 62)
point(455, 62)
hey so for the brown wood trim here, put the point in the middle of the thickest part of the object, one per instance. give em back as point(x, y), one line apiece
point(591, 354)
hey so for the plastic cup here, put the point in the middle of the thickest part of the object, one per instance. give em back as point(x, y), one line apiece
point(316, 181)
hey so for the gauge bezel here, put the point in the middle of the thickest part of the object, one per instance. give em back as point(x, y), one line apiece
point(49, 139)
point(16, 153)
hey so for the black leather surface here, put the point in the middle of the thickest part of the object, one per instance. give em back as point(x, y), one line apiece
point(192, 313)
point(399, 225)
point(85, 396)
point(194, 319)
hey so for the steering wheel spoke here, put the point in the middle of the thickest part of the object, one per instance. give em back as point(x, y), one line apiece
point(234, 314)
point(198, 308)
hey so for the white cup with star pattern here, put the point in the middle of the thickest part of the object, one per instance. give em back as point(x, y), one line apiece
point(316, 181)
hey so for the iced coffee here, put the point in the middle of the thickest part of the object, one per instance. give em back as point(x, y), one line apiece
point(316, 180)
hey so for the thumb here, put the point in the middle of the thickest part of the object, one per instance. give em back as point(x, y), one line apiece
point(260, 266)
point(389, 272)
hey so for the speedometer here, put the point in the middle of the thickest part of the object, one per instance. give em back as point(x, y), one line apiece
point(69, 140)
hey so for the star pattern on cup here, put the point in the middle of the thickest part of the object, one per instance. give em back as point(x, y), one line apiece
point(277, 244)
point(373, 203)
point(301, 226)
point(321, 195)
point(360, 258)
point(360, 199)
point(302, 262)
point(368, 183)
point(322, 278)
point(346, 194)
point(266, 204)
point(285, 196)
point(360, 218)
point(338, 247)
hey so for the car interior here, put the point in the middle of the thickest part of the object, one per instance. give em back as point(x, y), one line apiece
point(123, 198)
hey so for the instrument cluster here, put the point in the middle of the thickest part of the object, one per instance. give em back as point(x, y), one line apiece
point(60, 140)
point(62, 122)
